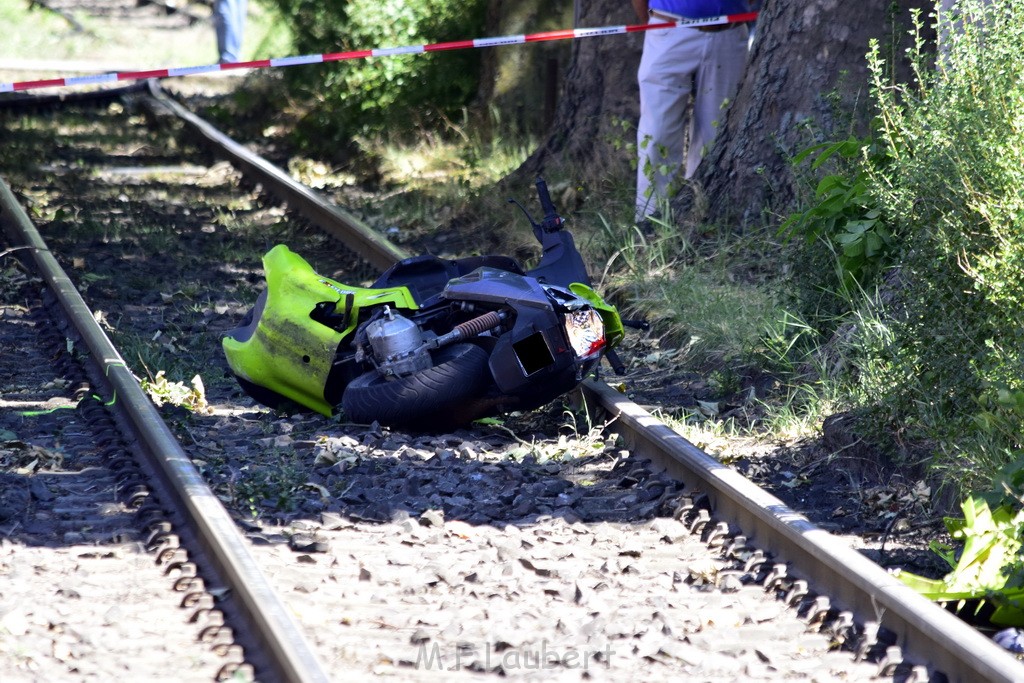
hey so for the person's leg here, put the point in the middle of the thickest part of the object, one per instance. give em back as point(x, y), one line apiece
point(241, 12)
point(717, 78)
point(665, 78)
point(220, 26)
point(229, 22)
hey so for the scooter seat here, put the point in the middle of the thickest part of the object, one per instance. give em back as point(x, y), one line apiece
point(426, 276)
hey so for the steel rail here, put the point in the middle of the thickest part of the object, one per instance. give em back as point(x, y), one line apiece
point(352, 232)
point(928, 634)
point(279, 643)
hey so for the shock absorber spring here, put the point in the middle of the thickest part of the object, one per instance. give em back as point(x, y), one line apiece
point(487, 321)
point(471, 328)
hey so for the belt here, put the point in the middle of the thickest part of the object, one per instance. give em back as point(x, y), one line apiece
point(714, 28)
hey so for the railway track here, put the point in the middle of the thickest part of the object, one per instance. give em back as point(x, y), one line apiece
point(72, 499)
point(186, 505)
point(422, 556)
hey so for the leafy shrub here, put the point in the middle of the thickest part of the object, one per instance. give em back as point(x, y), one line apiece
point(925, 219)
point(397, 93)
point(987, 568)
point(953, 184)
point(845, 215)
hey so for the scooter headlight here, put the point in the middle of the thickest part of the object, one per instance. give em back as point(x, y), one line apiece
point(585, 331)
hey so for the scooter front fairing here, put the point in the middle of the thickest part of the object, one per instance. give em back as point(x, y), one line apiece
point(536, 359)
point(287, 346)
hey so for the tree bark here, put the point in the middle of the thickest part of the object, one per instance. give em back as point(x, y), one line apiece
point(598, 106)
point(519, 82)
point(806, 82)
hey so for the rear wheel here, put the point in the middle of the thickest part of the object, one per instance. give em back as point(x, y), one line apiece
point(439, 397)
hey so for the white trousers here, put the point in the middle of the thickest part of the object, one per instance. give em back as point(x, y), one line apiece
point(678, 63)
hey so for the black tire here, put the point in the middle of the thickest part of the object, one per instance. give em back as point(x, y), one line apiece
point(439, 397)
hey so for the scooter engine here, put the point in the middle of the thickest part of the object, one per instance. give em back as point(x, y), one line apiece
point(398, 345)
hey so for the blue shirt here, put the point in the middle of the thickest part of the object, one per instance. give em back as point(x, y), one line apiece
point(699, 9)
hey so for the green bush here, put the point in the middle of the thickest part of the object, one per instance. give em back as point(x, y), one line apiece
point(940, 186)
point(397, 93)
point(845, 217)
point(953, 185)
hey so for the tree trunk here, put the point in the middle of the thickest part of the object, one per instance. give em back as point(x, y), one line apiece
point(521, 82)
point(598, 105)
point(595, 110)
point(806, 82)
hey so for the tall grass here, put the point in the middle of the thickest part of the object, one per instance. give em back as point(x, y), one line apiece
point(954, 189)
point(716, 302)
point(688, 281)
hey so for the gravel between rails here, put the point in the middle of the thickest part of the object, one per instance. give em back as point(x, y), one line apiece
point(453, 556)
point(608, 602)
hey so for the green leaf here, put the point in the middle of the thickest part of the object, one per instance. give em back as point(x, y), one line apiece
point(809, 151)
point(848, 238)
point(872, 245)
point(828, 183)
point(859, 227)
point(991, 542)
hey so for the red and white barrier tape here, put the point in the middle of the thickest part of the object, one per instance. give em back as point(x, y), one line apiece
point(565, 34)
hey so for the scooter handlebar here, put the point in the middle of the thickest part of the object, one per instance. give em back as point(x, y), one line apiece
point(552, 221)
